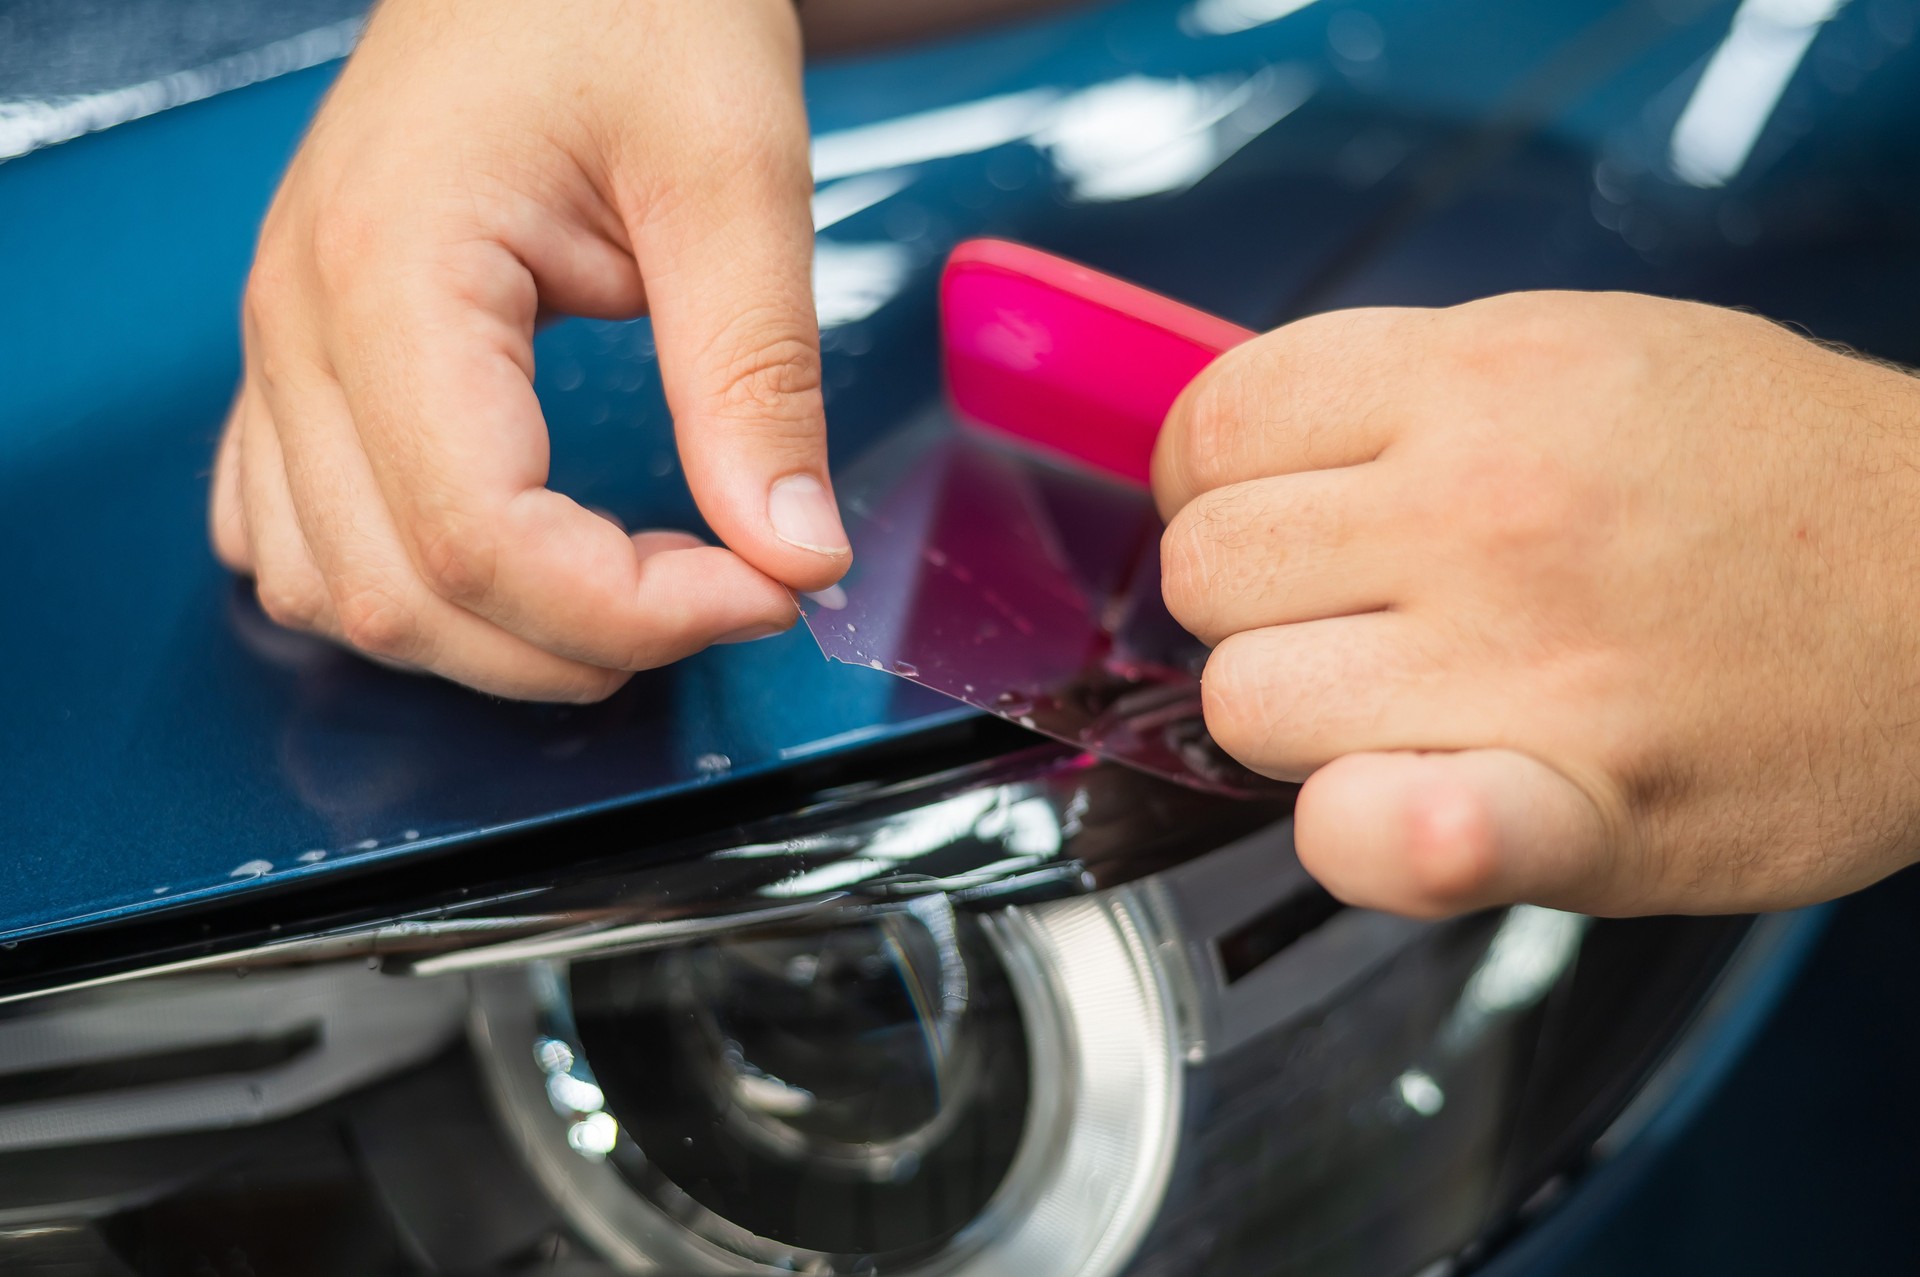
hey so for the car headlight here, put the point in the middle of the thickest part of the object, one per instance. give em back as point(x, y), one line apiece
point(1037, 1015)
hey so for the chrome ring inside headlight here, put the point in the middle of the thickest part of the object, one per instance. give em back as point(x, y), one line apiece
point(916, 1088)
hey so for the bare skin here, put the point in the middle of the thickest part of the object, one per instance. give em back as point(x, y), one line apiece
point(481, 164)
point(1597, 601)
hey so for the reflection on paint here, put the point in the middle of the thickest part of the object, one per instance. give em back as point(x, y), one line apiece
point(1028, 828)
point(852, 281)
point(29, 123)
point(1229, 17)
point(1741, 86)
point(930, 135)
point(1143, 136)
point(837, 201)
point(1121, 139)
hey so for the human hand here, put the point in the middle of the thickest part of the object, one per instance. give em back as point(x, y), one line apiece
point(481, 163)
point(1595, 601)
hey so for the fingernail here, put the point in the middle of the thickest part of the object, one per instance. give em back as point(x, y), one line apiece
point(751, 633)
point(802, 514)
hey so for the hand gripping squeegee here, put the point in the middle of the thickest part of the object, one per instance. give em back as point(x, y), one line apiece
point(1006, 550)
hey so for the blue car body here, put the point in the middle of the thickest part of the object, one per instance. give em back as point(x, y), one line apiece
point(161, 742)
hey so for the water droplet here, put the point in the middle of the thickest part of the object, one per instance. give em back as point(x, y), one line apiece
point(969, 687)
point(366, 844)
point(875, 662)
point(410, 834)
point(252, 869)
point(713, 764)
point(852, 628)
point(1026, 721)
point(906, 669)
point(312, 857)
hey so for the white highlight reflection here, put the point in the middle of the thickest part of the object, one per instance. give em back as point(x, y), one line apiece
point(1116, 140)
point(1419, 1092)
point(1142, 136)
point(1027, 827)
point(1741, 86)
point(29, 123)
point(594, 1135)
point(929, 135)
point(1228, 17)
point(1531, 950)
point(852, 281)
point(570, 1094)
point(841, 200)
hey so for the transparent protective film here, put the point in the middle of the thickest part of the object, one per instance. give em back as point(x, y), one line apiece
point(1027, 587)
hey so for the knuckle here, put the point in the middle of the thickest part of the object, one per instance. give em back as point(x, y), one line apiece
point(773, 377)
point(1209, 421)
point(344, 237)
point(1450, 853)
point(1193, 551)
point(1181, 570)
point(1536, 335)
point(1518, 507)
point(592, 686)
point(1233, 699)
point(289, 599)
point(375, 622)
point(457, 558)
point(229, 540)
point(269, 293)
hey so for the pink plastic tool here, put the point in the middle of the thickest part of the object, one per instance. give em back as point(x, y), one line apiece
point(1014, 563)
point(1066, 358)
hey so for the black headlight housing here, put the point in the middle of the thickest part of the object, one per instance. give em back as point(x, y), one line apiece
point(1015, 1012)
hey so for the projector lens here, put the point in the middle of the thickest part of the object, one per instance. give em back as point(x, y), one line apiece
point(853, 1090)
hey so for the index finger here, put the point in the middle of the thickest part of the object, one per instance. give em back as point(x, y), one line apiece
point(437, 375)
point(728, 261)
point(1323, 392)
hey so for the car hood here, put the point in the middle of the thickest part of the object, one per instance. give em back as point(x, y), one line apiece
point(160, 740)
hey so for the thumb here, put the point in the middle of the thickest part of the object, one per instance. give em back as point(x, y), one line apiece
point(1431, 835)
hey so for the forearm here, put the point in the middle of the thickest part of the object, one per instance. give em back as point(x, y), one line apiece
point(834, 26)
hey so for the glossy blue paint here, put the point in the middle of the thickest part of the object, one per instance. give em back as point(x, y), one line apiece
point(159, 739)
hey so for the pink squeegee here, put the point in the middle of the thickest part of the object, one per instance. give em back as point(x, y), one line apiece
point(1068, 359)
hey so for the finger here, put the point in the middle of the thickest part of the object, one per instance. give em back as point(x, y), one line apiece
point(1326, 391)
point(226, 512)
point(1289, 699)
point(1430, 835)
point(1299, 547)
point(436, 365)
point(382, 606)
point(728, 266)
point(287, 582)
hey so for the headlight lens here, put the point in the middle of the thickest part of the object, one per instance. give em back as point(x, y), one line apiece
point(915, 1038)
point(855, 1090)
